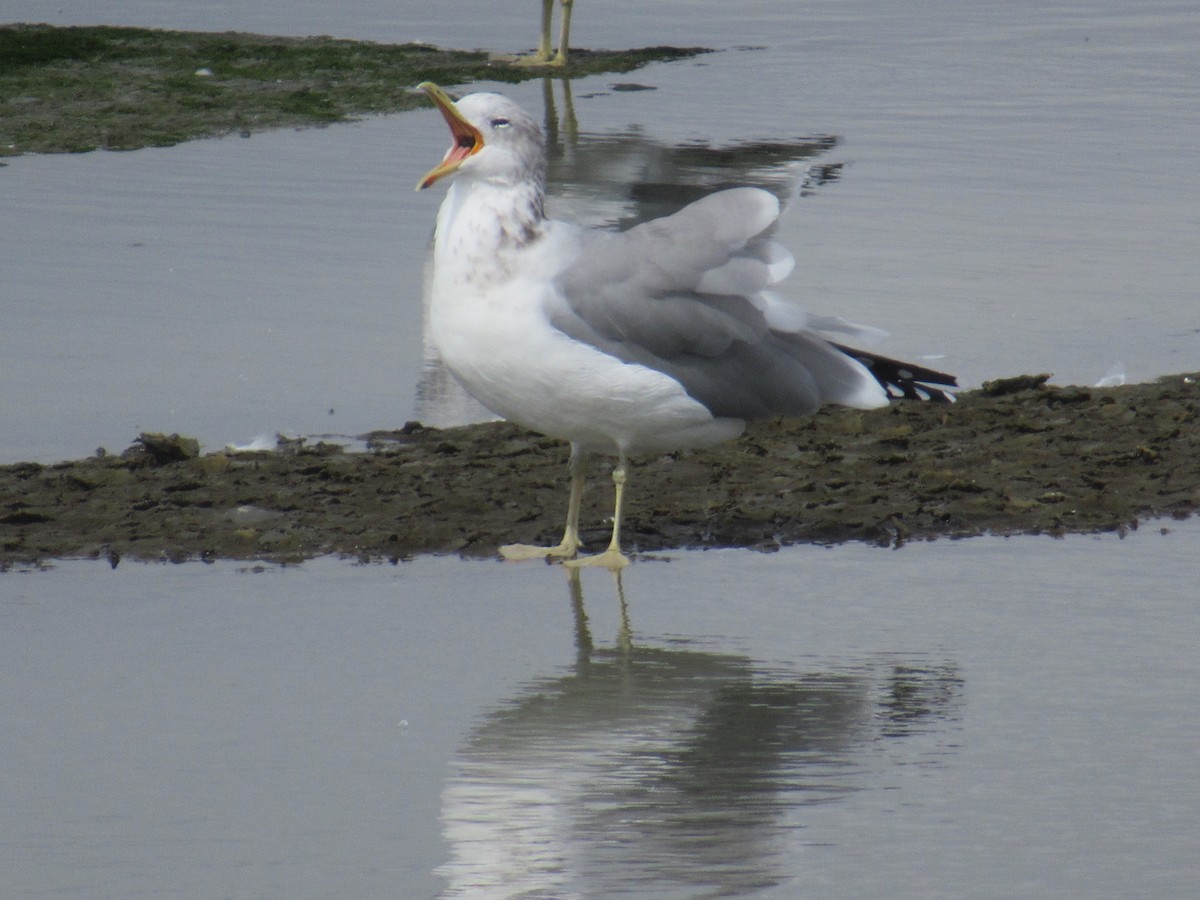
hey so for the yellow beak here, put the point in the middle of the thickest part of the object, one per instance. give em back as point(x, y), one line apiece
point(467, 138)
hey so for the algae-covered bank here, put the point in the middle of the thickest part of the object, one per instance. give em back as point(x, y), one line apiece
point(1018, 456)
point(83, 88)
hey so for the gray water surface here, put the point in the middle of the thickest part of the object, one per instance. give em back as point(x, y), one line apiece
point(988, 718)
point(1017, 193)
point(955, 719)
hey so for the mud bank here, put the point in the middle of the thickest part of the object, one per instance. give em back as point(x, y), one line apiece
point(83, 88)
point(1018, 456)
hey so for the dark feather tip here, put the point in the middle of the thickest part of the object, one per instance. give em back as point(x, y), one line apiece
point(904, 380)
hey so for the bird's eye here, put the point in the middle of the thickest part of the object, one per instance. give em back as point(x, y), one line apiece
point(500, 123)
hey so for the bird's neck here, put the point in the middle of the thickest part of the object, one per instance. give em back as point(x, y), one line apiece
point(481, 226)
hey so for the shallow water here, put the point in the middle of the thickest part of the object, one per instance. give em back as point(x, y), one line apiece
point(956, 719)
point(1017, 195)
point(982, 718)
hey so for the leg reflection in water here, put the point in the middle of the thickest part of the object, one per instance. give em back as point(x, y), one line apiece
point(652, 765)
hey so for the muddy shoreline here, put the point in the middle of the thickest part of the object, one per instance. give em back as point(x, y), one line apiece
point(76, 89)
point(1019, 456)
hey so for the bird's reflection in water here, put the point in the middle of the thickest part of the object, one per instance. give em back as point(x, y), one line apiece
point(665, 768)
point(621, 179)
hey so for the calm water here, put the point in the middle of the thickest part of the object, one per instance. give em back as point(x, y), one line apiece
point(957, 719)
point(986, 718)
point(1018, 194)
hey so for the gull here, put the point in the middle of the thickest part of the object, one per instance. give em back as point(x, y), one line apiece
point(664, 337)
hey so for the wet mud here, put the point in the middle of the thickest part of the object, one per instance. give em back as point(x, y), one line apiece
point(1020, 456)
point(82, 88)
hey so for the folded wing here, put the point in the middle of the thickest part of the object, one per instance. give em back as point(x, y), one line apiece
point(689, 295)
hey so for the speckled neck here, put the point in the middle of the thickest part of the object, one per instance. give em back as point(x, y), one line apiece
point(482, 225)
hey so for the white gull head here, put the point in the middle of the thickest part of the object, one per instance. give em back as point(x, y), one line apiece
point(495, 141)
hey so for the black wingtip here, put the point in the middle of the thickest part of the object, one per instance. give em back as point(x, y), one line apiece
point(905, 380)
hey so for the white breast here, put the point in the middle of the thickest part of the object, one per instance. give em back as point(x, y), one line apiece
point(489, 324)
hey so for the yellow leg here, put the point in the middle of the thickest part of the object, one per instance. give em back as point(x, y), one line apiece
point(612, 558)
point(543, 56)
point(570, 544)
point(564, 34)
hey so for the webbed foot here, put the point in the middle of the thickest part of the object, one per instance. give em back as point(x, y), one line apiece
point(611, 558)
point(565, 550)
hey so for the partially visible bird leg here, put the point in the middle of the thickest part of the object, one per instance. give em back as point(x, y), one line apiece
point(564, 33)
point(543, 57)
point(612, 558)
point(578, 466)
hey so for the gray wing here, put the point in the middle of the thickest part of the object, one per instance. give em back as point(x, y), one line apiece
point(685, 295)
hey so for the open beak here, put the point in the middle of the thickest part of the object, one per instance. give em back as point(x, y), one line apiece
point(467, 138)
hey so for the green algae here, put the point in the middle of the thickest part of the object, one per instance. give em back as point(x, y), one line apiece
point(83, 88)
